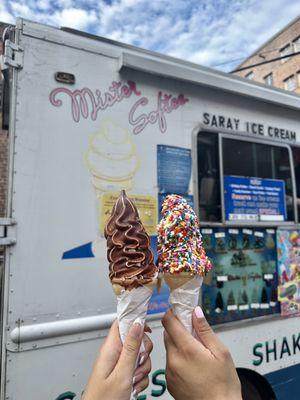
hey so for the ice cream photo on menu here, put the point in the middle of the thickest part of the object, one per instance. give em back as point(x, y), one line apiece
point(181, 256)
point(132, 271)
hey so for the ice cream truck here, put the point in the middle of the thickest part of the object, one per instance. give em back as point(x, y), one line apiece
point(88, 117)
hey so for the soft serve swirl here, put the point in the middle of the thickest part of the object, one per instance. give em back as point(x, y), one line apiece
point(129, 253)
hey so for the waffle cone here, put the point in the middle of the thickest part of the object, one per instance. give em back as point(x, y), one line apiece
point(174, 281)
point(119, 288)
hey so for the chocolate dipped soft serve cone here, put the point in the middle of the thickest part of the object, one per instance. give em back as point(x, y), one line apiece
point(130, 257)
point(181, 256)
point(132, 271)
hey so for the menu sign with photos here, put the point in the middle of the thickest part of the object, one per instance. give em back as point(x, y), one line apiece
point(243, 281)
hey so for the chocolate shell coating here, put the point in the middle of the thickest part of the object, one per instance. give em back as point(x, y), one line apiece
point(129, 253)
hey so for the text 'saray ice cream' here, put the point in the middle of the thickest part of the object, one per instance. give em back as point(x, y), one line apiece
point(132, 271)
point(181, 256)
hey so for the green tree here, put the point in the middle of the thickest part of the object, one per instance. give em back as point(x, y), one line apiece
point(264, 296)
point(207, 304)
point(254, 297)
point(231, 299)
point(219, 306)
point(245, 297)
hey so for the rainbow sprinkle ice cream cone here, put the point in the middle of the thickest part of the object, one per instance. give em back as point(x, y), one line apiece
point(181, 257)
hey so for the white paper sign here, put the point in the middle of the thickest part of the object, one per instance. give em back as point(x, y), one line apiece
point(264, 306)
point(223, 278)
point(206, 231)
point(244, 307)
point(259, 234)
point(268, 276)
point(220, 234)
point(233, 307)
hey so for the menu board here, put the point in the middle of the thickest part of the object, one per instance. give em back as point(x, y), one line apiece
point(243, 281)
point(254, 199)
point(174, 166)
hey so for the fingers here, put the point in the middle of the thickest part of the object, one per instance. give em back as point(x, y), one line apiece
point(142, 371)
point(110, 351)
point(206, 335)
point(148, 347)
point(171, 350)
point(147, 344)
point(142, 385)
point(176, 331)
point(131, 346)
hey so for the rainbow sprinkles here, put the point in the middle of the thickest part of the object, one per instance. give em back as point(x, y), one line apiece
point(179, 239)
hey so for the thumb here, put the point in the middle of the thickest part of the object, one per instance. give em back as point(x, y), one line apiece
point(205, 334)
point(131, 347)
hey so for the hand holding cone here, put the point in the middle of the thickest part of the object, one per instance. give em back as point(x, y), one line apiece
point(132, 271)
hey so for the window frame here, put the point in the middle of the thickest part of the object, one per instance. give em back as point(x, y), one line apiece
point(296, 44)
point(270, 75)
point(283, 52)
point(290, 78)
point(238, 135)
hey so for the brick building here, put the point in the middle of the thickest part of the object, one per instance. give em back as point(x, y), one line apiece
point(3, 146)
point(283, 73)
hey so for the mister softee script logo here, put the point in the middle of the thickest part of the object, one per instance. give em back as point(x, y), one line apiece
point(88, 104)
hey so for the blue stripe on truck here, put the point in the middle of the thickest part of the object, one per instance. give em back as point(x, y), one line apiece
point(83, 251)
point(286, 382)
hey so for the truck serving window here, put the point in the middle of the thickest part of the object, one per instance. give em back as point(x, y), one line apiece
point(243, 159)
point(248, 159)
point(208, 177)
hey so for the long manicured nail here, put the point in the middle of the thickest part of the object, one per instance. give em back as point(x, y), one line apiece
point(198, 312)
point(137, 378)
point(137, 329)
point(142, 359)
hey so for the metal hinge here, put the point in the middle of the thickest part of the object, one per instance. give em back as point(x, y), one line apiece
point(13, 55)
point(4, 223)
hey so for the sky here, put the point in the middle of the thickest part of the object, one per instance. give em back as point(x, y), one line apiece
point(214, 33)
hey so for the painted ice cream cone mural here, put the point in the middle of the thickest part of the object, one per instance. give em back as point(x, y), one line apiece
point(112, 161)
point(132, 271)
point(181, 256)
